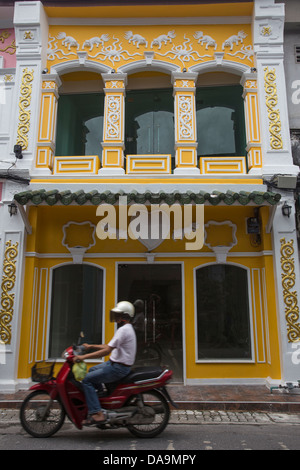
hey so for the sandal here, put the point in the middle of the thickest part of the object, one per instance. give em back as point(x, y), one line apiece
point(91, 421)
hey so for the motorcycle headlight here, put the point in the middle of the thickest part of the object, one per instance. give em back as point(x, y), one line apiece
point(65, 354)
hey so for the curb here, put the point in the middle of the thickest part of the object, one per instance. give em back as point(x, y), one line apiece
point(188, 417)
point(251, 406)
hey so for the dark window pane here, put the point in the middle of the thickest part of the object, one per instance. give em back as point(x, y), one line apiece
point(80, 124)
point(150, 122)
point(223, 326)
point(77, 304)
point(220, 121)
point(216, 131)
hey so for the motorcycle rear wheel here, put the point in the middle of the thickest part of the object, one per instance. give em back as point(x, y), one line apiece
point(157, 401)
point(39, 416)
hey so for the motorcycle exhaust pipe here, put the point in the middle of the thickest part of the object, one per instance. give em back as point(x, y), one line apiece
point(132, 416)
point(120, 415)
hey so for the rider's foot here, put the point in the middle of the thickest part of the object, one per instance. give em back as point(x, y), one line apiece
point(96, 418)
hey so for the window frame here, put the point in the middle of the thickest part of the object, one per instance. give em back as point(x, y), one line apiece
point(101, 340)
point(251, 359)
point(130, 114)
point(64, 114)
point(225, 96)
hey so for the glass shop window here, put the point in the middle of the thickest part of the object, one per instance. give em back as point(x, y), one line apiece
point(220, 121)
point(150, 122)
point(76, 305)
point(223, 321)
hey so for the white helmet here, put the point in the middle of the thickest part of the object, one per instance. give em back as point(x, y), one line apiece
point(122, 308)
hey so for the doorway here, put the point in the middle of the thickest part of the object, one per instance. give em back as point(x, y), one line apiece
point(159, 325)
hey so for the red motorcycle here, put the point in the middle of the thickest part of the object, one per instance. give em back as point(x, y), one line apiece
point(138, 402)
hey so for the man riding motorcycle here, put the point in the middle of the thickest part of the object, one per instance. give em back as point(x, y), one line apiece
point(122, 351)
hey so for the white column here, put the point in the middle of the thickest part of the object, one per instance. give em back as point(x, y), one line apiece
point(184, 86)
point(287, 277)
point(31, 29)
point(114, 125)
point(11, 267)
point(268, 26)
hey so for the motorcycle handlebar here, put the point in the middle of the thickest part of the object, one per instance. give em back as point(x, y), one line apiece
point(78, 349)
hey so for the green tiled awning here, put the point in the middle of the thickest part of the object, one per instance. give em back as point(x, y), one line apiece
point(95, 197)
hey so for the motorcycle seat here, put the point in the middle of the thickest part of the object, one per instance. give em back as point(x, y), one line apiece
point(142, 373)
point(137, 374)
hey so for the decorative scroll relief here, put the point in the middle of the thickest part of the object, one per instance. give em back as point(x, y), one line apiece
point(9, 49)
point(205, 39)
point(290, 297)
point(176, 46)
point(273, 113)
point(184, 53)
point(113, 53)
point(24, 111)
point(7, 285)
point(185, 117)
point(113, 121)
point(136, 39)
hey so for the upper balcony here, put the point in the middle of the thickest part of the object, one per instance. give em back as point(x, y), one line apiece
point(149, 123)
point(141, 96)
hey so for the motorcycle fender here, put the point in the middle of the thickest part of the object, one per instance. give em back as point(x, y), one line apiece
point(166, 394)
point(47, 387)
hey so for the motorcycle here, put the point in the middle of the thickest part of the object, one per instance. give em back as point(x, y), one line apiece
point(139, 402)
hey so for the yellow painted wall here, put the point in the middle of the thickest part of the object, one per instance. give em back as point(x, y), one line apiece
point(140, 11)
point(47, 238)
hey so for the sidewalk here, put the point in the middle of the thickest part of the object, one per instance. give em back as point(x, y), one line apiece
point(235, 397)
point(250, 398)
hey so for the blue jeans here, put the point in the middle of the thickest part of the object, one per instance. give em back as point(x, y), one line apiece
point(102, 373)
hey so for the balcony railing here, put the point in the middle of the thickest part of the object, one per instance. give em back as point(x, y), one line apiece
point(148, 165)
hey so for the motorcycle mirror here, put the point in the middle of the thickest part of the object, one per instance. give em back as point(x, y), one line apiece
point(81, 335)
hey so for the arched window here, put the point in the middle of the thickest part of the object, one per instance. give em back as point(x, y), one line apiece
point(80, 115)
point(149, 115)
point(77, 305)
point(223, 321)
point(220, 120)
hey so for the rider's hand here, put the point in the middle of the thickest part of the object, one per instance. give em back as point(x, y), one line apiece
point(78, 358)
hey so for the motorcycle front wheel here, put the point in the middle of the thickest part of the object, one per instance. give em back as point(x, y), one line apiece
point(157, 402)
point(40, 415)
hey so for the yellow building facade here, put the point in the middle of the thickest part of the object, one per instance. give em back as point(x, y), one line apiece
point(134, 110)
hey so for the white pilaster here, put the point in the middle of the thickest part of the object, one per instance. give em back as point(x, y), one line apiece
point(12, 235)
point(287, 277)
point(31, 29)
point(268, 26)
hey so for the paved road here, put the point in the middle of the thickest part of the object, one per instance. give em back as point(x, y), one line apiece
point(188, 433)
